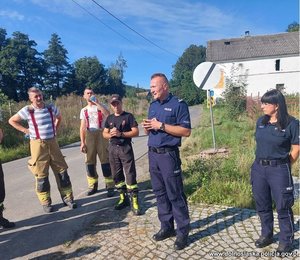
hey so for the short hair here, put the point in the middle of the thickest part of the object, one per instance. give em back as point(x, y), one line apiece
point(33, 90)
point(161, 75)
point(89, 88)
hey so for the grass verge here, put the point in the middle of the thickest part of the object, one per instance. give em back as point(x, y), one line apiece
point(221, 180)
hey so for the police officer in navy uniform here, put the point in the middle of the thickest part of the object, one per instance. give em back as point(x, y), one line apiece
point(168, 121)
point(277, 147)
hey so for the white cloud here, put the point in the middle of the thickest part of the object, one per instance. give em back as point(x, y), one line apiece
point(174, 24)
point(14, 15)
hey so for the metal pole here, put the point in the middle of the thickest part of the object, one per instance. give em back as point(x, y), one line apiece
point(212, 119)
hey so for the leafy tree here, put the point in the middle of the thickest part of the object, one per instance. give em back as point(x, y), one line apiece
point(187, 91)
point(21, 66)
point(235, 93)
point(115, 77)
point(3, 40)
point(293, 27)
point(90, 72)
point(57, 65)
point(182, 80)
point(71, 84)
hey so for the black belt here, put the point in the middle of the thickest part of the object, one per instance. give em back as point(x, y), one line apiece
point(264, 162)
point(163, 149)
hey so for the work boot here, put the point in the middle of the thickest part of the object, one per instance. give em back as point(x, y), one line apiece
point(6, 223)
point(263, 241)
point(47, 208)
point(3, 221)
point(110, 192)
point(135, 208)
point(71, 204)
point(92, 190)
point(123, 201)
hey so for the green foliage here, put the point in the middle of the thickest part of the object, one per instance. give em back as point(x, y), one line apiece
point(90, 72)
point(293, 27)
point(20, 65)
point(235, 93)
point(14, 144)
point(57, 66)
point(182, 83)
point(115, 77)
point(220, 179)
point(187, 91)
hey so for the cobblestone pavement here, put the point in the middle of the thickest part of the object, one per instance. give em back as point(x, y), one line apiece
point(217, 232)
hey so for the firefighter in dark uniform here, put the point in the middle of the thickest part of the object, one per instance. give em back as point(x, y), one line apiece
point(277, 147)
point(168, 121)
point(3, 221)
point(119, 129)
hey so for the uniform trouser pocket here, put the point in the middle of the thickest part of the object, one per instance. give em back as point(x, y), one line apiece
point(287, 199)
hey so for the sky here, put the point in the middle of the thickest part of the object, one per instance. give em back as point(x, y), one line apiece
point(151, 35)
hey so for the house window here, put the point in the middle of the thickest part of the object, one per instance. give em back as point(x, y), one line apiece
point(277, 65)
point(280, 87)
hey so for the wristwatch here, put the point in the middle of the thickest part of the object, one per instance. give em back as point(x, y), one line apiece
point(162, 127)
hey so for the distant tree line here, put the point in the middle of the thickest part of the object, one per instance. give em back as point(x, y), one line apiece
point(23, 66)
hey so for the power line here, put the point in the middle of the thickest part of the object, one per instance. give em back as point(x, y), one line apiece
point(100, 21)
point(153, 43)
point(94, 16)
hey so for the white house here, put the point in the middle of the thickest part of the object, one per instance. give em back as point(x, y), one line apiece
point(267, 61)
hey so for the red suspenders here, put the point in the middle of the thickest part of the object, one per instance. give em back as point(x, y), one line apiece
point(31, 112)
point(37, 134)
point(87, 118)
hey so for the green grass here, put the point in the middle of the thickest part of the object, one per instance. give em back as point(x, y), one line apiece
point(217, 180)
point(14, 145)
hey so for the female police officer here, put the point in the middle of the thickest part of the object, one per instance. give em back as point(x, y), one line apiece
point(277, 147)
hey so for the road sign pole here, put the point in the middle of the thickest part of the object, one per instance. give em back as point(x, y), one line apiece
point(211, 119)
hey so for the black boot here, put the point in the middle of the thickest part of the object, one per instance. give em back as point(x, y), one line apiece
point(92, 190)
point(123, 201)
point(3, 221)
point(135, 207)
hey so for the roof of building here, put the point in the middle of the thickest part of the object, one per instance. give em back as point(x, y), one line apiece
point(251, 47)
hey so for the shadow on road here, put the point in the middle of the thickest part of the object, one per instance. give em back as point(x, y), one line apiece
point(94, 214)
point(237, 215)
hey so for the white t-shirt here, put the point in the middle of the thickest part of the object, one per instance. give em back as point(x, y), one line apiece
point(43, 120)
point(93, 117)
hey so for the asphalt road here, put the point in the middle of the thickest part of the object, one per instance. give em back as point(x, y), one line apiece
point(36, 230)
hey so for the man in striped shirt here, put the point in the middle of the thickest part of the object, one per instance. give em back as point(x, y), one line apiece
point(43, 121)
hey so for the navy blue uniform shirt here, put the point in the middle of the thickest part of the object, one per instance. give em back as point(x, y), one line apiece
point(273, 143)
point(172, 111)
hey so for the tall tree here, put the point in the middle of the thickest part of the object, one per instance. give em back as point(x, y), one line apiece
point(90, 72)
point(293, 27)
point(182, 81)
point(3, 40)
point(115, 77)
point(57, 64)
point(21, 66)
